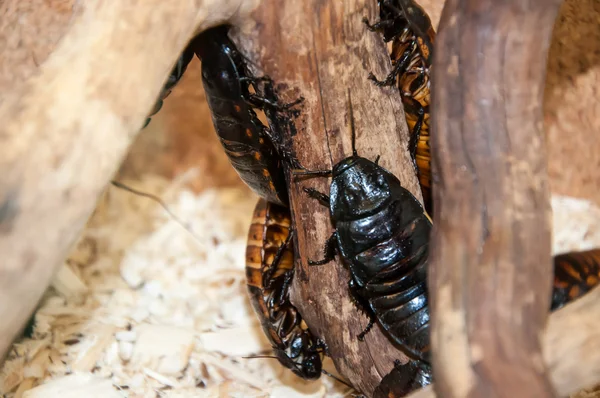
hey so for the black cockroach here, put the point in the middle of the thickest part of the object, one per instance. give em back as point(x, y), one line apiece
point(409, 28)
point(403, 379)
point(254, 150)
point(269, 273)
point(382, 235)
point(176, 74)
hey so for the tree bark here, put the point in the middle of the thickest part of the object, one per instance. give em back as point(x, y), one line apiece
point(320, 49)
point(490, 264)
point(571, 347)
point(64, 132)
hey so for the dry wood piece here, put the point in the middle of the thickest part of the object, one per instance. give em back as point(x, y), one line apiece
point(65, 131)
point(571, 347)
point(490, 258)
point(320, 50)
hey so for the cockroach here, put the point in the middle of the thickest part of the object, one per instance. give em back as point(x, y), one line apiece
point(575, 274)
point(409, 28)
point(269, 273)
point(381, 232)
point(403, 379)
point(176, 74)
point(255, 151)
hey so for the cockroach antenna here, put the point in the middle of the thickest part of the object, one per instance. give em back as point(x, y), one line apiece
point(155, 198)
point(352, 128)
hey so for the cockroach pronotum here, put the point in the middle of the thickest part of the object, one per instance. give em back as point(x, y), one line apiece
point(269, 272)
point(255, 151)
point(409, 28)
point(176, 74)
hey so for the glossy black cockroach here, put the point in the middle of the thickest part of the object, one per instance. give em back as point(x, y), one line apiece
point(409, 28)
point(575, 274)
point(255, 151)
point(176, 74)
point(403, 379)
point(269, 273)
point(382, 235)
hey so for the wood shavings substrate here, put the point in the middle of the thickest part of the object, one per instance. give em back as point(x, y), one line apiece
point(146, 307)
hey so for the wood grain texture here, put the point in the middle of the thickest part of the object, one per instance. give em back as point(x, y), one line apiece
point(490, 264)
point(64, 132)
point(319, 49)
point(571, 347)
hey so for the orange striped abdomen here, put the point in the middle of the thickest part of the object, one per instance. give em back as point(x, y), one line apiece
point(575, 274)
point(414, 86)
point(269, 273)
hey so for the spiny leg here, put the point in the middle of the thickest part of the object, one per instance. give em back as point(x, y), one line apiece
point(321, 197)
point(361, 336)
point(309, 173)
point(283, 296)
point(399, 67)
point(414, 107)
point(253, 80)
point(378, 26)
point(363, 306)
point(260, 102)
point(270, 92)
point(283, 150)
point(268, 275)
point(328, 252)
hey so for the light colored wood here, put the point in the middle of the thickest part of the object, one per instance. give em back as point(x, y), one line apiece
point(571, 347)
point(490, 259)
point(64, 132)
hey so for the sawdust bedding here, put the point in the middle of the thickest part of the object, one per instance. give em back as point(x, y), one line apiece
point(148, 307)
point(151, 304)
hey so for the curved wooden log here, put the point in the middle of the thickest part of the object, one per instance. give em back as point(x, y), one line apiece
point(65, 131)
point(571, 347)
point(320, 49)
point(490, 257)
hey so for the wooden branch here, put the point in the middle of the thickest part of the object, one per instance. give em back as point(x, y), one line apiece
point(571, 346)
point(319, 49)
point(64, 133)
point(490, 260)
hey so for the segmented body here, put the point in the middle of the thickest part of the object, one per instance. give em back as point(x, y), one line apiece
point(269, 272)
point(402, 380)
point(409, 28)
point(575, 274)
point(249, 144)
point(176, 74)
point(381, 233)
point(383, 236)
